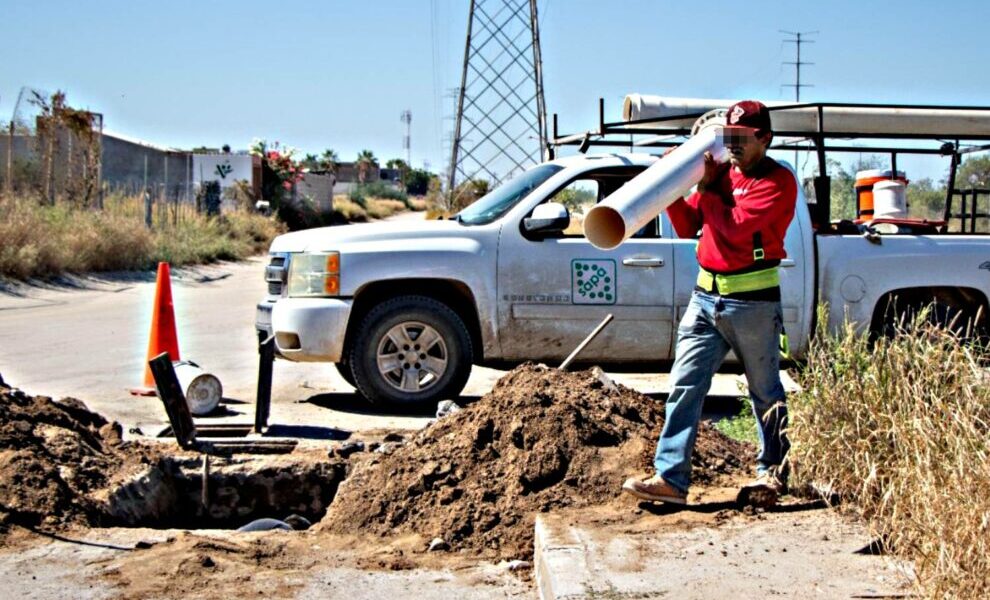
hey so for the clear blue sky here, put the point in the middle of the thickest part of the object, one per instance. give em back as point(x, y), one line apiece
point(337, 74)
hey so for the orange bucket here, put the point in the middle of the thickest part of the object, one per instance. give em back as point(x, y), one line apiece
point(864, 189)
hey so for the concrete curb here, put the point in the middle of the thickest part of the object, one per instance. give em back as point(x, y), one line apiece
point(560, 563)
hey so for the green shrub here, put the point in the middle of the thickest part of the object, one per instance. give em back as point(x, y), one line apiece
point(377, 189)
point(740, 427)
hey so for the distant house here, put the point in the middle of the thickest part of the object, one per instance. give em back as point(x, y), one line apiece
point(347, 177)
point(392, 175)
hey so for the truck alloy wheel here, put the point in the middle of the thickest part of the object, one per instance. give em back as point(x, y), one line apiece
point(412, 356)
point(411, 349)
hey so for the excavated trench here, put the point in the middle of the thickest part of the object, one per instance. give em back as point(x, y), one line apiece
point(170, 493)
point(542, 439)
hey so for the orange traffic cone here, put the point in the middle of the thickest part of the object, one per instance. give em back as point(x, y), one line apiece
point(163, 335)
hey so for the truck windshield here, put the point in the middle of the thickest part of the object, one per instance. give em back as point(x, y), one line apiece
point(494, 204)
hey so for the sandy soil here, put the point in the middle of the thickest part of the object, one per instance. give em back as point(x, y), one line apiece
point(541, 441)
point(705, 551)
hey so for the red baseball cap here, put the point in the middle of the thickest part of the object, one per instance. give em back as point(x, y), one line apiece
point(749, 113)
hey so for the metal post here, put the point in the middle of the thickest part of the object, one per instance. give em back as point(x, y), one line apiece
point(972, 211)
point(188, 186)
point(99, 166)
point(541, 110)
point(10, 159)
point(205, 479)
point(263, 396)
point(148, 221)
point(951, 185)
point(460, 105)
point(962, 211)
point(823, 183)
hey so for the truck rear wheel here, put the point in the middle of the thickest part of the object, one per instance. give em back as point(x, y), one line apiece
point(411, 349)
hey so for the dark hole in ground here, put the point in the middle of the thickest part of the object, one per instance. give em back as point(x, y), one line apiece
point(239, 490)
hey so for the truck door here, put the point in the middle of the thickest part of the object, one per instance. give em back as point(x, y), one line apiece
point(552, 292)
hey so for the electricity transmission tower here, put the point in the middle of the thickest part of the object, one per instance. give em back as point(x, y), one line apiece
point(501, 118)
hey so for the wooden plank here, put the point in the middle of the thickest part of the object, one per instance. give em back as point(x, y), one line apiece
point(231, 447)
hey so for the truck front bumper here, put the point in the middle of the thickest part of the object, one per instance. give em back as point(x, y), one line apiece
point(309, 329)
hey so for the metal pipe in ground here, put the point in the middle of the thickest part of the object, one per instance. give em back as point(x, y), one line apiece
point(205, 488)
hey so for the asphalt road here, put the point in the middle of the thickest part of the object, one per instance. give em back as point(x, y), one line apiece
point(87, 338)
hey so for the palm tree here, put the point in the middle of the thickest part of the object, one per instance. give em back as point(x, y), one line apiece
point(310, 162)
point(365, 161)
point(329, 160)
point(399, 165)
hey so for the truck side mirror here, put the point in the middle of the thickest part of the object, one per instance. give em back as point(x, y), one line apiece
point(551, 217)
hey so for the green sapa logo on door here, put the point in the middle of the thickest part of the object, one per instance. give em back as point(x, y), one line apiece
point(593, 281)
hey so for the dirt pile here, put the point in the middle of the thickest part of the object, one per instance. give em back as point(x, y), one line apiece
point(541, 439)
point(54, 456)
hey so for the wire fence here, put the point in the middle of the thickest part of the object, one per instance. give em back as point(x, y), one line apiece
point(53, 154)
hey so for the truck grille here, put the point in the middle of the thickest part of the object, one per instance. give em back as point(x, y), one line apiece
point(275, 274)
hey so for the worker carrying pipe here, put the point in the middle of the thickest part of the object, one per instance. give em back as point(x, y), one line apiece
point(742, 209)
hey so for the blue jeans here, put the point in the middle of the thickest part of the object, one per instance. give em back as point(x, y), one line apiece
point(711, 327)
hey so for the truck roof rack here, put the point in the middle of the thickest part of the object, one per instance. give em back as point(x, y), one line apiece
point(954, 143)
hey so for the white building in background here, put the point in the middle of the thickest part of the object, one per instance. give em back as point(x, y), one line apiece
point(226, 169)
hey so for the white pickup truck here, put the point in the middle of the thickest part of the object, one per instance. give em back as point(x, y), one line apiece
point(405, 308)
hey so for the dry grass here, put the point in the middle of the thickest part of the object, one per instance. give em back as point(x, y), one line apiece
point(44, 241)
point(380, 208)
point(351, 211)
point(418, 203)
point(900, 429)
point(375, 208)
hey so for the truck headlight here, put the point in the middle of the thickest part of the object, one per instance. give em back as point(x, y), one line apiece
point(314, 274)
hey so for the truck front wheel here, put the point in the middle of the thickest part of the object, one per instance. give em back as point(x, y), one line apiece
point(411, 349)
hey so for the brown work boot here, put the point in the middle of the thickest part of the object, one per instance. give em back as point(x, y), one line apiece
point(763, 492)
point(655, 489)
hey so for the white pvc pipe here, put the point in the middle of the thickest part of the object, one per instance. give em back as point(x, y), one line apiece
point(915, 121)
point(203, 390)
point(641, 106)
point(628, 209)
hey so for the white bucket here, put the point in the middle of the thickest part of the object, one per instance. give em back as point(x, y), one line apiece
point(203, 391)
point(889, 200)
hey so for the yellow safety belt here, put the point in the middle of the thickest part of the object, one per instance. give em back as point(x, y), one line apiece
point(743, 282)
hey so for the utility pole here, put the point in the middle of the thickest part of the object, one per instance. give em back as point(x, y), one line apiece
point(406, 118)
point(797, 38)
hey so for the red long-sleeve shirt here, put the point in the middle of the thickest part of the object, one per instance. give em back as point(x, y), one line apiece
point(732, 209)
